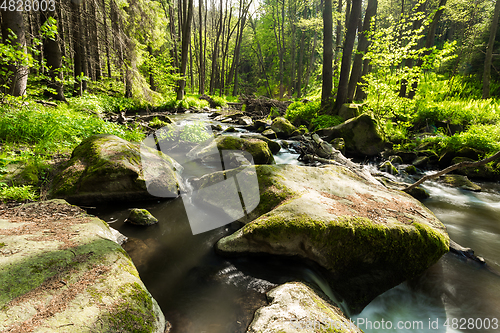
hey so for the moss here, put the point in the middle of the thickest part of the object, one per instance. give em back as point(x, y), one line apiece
point(2, 245)
point(257, 148)
point(135, 313)
point(349, 241)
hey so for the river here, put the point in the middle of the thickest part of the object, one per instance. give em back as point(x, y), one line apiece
point(201, 292)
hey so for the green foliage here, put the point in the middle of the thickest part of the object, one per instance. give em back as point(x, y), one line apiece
point(17, 193)
point(104, 104)
point(55, 128)
point(157, 123)
point(325, 121)
point(195, 132)
point(462, 112)
point(190, 101)
point(164, 74)
point(219, 101)
point(481, 137)
point(299, 113)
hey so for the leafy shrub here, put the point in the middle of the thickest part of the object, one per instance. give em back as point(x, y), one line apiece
point(17, 193)
point(459, 111)
point(219, 101)
point(298, 112)
point(325, 121)
point(56, 128)
point(481, 137)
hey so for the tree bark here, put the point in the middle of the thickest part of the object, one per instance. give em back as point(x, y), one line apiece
point(77, 47)
point(489, 51)
point(327, 85)
point(18, 79)
point(106, 40)
point(52, 51)
point(201, 74)
point(363, 43)
point(95, 42)
point(346, 55)
point(186, 36)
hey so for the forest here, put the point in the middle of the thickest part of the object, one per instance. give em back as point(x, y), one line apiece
point(414, 66)
point(239, 166)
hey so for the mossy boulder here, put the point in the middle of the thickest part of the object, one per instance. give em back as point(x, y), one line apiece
point(369, 238)
point(274, 146)
point(257, 148)
point(270, 134)
point(283, 128)
point(107, 168)
point(348, 111)
point(62, 271)
point(362, 135)
point(141, 217)
point(460, 181)
point(295, 307)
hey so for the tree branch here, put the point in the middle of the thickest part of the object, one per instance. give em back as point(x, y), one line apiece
point(465, 164)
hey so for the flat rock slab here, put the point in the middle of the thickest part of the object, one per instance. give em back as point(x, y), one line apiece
point(368, 237)
point(62, 271)
point(295, 307)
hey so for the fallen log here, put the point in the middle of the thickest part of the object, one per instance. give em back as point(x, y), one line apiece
point(465, 164)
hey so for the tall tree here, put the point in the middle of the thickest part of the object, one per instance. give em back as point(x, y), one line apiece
point(489, 51)
point(78, 48)
point(13, 22)
point(357, 64)
point(186, 39)
point(346, 55)
point(326, 89)
point(53, 56)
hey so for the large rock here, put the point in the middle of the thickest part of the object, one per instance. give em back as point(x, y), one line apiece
point(107, 168)
point(257, 148)
point(369, 238)
point(295, 307)
point(348, 111)
point(273, 145)
point(362, 135)
point(283, 128)
point(62, 271)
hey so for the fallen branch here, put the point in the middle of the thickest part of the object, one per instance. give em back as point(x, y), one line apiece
point(465, 164)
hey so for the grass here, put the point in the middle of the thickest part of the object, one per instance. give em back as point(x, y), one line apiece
point(18, 193)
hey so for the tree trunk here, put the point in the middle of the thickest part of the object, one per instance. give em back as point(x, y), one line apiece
point(363, 43)
point(327, 86)
point(489, 51)
point(106, 41)
point(52, 51)
point(77, 47)
point(429, 42)
point(338, 34)
point(201, 89)
point(18, 79)
point(95, 42)
point(186, 36)
point(346, 55)
point(311, 62)
point(298, 88)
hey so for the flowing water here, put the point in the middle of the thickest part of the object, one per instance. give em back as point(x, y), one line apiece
point(200, 291)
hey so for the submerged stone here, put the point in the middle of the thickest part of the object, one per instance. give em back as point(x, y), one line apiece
point(141, 217)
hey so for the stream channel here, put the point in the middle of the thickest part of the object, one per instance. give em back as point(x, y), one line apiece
point(201, 292)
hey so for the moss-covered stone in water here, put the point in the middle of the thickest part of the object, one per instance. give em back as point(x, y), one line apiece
point(389, 168)
point(282, 127)
point(107, 168)
point(257, 148)
point(460, 181)
point(141, 217)
point(349, 227)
